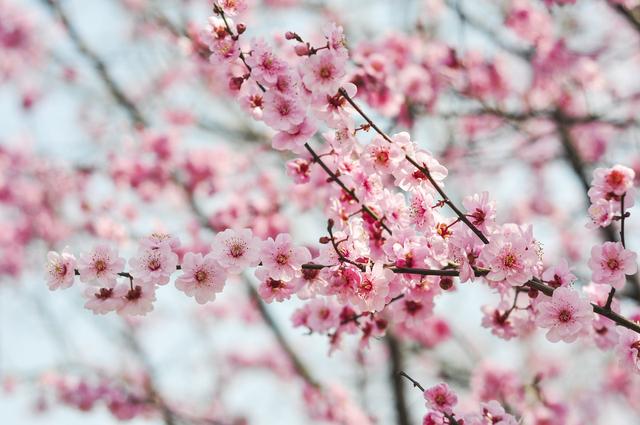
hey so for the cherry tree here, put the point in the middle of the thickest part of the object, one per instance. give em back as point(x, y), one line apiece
point(289, 211)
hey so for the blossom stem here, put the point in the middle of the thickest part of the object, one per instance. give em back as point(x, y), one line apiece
point(421, 168)
point(416, 384)
point(334, 177)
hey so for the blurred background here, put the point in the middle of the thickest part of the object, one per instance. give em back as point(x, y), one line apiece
point(114, 125)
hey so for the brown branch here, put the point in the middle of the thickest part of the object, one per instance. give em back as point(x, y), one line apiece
point(335, 178)
point(395, 368)
point(416, 384)
point(97, 63)
point(420, 168)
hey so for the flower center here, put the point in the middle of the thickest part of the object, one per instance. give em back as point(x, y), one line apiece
point(201, 276)
point(412, 307)
point(154, 264)
point(282, 259)
point(564, 316)
point(275, 284)
point(440, 399)
point(324, 313)
point(134, 294)
point(325, 72)
point(100, 266)
point(104, 293)
point(236, 250)
point(284, 109)
point(61, 269)
point(310, 274)
point(509, 260)
point(613, 264)
point(615, 178)
point(382, 157)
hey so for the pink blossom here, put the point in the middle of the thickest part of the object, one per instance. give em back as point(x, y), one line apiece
point(466, 248)
point(560, 275)
point(265, 65)
point(492, 413)
point(566, 315)
point(299, 170)
point(414, 308)
point(409, 177)
point(271, 289)
point(323, 73)
point(610, 262)
point(441, 398)
point(381, 156)
point(235, 250)
point(611, 183)
point(323, 315)
point(421, 211)
point(294, 138)
point(280, 259)
point(158, 240)
point(105, 300)
point(601, 214)
point(499, 323)
point(511, 255)
point(138, 299)
point(232, 7)
point(371, 291)
point(202, 277)
point(435, 418)
point(154, 265)
point(100, 266)
point(282, 112)
point(480, 210)
point(335, 36)
point(60, 270)
point(628, 350)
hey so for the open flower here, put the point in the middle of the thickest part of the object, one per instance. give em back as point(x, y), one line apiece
point(280, 259)
point(105, 300)
point(154, 265)
point(628, 350)
point(566, 315)
point(610, 262)
point(202, 277)
point(100, 266)
point(60, 270)
point(138, 299)
point(236, 250)
point(441, 398)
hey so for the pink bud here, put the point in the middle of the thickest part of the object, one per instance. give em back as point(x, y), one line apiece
point(302, 50)
point(235, 83)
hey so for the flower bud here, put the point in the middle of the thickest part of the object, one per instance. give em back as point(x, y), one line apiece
point(302, 50)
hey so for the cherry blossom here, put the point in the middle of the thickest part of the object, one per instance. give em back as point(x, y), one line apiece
point(105, 300)
point(566, 315)
point(202, 277)
point(323, 73)
point(441, 398)
point(236, 250)
point(511, 255)
point(100, 266)
point(628, 350)
point(154, 265)
point(280, 259)
point(60, 270)
point(282, 112)
point(138, 299)
point(610, 262)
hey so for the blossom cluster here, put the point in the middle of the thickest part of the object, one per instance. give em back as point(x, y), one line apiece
point(441, 400)
point(391, 249)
